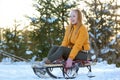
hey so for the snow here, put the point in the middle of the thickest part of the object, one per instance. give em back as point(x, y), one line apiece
point(29, 52)
point(23, 71)
point(105, 50)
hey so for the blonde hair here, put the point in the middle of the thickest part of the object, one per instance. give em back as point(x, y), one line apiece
point(79, 22)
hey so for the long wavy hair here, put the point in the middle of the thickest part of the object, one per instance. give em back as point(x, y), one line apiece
point(79, 22)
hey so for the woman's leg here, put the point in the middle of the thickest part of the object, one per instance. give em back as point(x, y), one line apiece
point(81, 56)
point(58, 53)
point(52, 50)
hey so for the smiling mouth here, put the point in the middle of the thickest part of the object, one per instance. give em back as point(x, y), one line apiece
point(72, 20)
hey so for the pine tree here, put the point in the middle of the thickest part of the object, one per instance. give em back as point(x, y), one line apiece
point(101, 19)
point(15, 42)
point(49, 24)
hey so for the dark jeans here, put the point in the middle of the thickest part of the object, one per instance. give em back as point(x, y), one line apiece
point(57, 52)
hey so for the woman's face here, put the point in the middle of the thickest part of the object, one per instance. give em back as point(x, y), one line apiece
point(73, 17)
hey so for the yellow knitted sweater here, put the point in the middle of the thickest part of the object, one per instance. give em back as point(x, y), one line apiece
point(77, 41)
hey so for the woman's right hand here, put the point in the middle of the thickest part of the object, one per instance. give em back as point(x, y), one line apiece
point(69, 63)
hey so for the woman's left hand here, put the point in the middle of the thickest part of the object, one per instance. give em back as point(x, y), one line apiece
point(69, 63)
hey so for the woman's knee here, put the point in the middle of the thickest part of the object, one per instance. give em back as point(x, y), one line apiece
point(55, 46)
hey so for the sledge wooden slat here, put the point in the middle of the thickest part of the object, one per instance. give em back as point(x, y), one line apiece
point(53, 65)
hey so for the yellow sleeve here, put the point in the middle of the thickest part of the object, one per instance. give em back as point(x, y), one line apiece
point(65, 39)
point(78, 43)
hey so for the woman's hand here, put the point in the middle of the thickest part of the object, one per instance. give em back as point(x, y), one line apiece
point(69, 63)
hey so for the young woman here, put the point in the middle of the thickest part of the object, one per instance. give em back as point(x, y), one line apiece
point(75, 42)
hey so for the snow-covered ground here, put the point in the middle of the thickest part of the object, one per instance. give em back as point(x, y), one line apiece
point(23, 71)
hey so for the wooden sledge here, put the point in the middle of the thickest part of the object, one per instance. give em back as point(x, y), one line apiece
point(67, 73)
